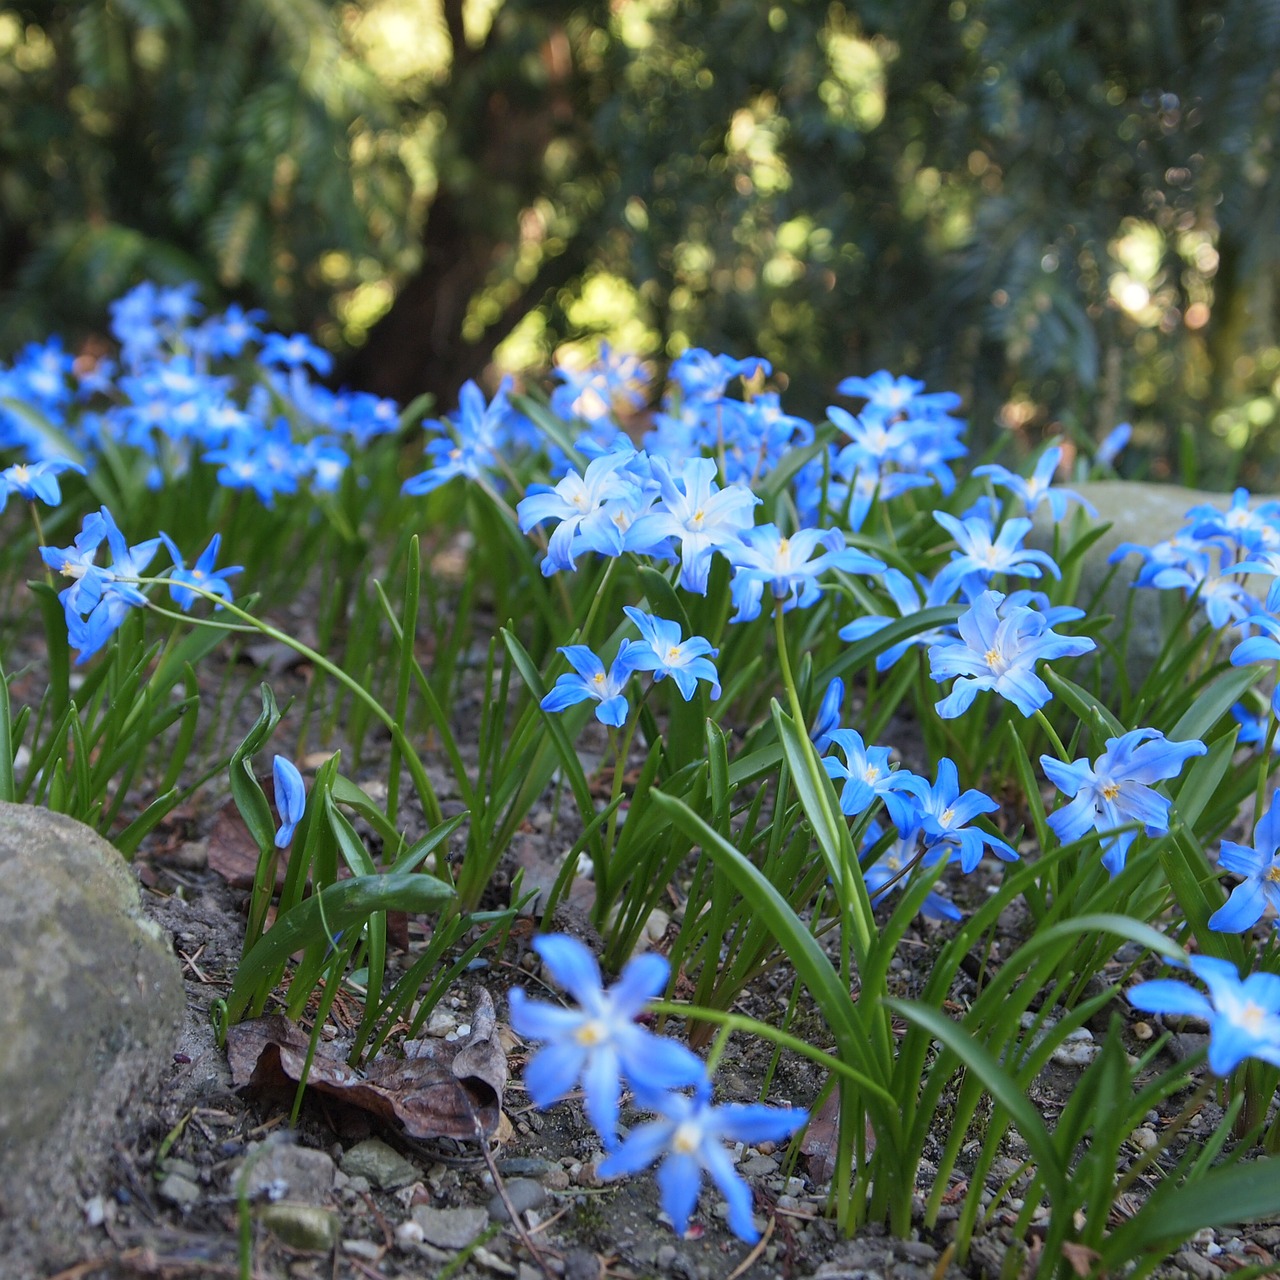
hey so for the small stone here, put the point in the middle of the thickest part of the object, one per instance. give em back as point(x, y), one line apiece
point(284, 1171)
point(302, 1226)
point(449, 1228)
point(556, 1180)
point(1144, 1138)
point(365, 1249)
point(409, 1234)
point(95, 1211)
point(524, 1167)
point(523, 1193)
point(178, 1190)
point(758, 1167)
point(491, 1262)
point(1078, 1049)
point(382, 1165)
point(1195, 1265)
point(665, 1257)
point(1143, 1031)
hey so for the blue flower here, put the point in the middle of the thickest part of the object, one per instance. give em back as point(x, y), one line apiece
point(1115, 790)
point(37, 480)
point(99, 599)
point(689, 1137)
point(599, 1043)
point(1260, 867)
point(202, 574)
point(789, 567)
point(578, 504)
point(1037, 488)
point(1254, 725)
point(700, 375)
point(294, 352)
point(909, 598)
point(894, 868)
point(866, 771)
point(1264, 648)
point(700, 515)
point(998, 649)
point(1243, 1017)
point(291, 798)
point(665, 653)
point(589, 681)
point(982, 553)
point(943, 813)
point(1113, 444)
point(828, 717)
point(897, 395)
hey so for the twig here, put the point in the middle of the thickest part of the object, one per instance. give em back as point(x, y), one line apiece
point(516, 1221)
point(750, 1259)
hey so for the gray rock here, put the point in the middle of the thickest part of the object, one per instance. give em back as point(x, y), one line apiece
point(92, 1000)
point(449, 1228)
point(178, 1190)
point(283, 1171)
point(524, 1194)
point(384, 1166)
point(1144, 514)
point(1196, 1265)
point(302, 1226)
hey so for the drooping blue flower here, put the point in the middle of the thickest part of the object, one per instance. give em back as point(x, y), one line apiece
point(37, 480)
point(202, 574)
point(981, 553)
point(600, 1043)
point(1219, 590)
point(1115, 790)
point(789, 567)
point(1243, 1016)
point(665, 652)
point(1113, 443)
point(1259, 864)
point(291, 798)
point(943, 812)
point(1038, 487)
point(588, 681)
point(998, 649)
point(689, 1138)
point(828, 717)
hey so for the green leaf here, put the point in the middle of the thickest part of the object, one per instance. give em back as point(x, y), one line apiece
point(999, 1084)
point(342, 906)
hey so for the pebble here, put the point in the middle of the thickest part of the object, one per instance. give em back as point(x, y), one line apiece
point(365, 1249)
point(449, 1228)
point(178, 1190)
point(384, 1166)
point(1078, 1049)
point(95, 1211)
point(524, 1167)
point(1144, 1138)
point(758, 1167)
point(491, 1262)
point(441, 1023)
point(1195, 1265)
point(302, 1226)
point(285, 1171)
point(524, 1194)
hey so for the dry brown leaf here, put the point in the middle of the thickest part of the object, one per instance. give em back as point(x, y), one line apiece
point(438, 1090)
point(822, 1137)
point(1081, 1258)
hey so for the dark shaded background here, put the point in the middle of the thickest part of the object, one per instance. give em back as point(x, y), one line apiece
point(1069, 212)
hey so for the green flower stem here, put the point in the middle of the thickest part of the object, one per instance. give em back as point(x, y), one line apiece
point(1264, 765)
point(430, 803)
point(1053, 736)
point(739, 1022)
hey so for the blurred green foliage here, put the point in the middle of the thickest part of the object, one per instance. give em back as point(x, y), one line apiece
point(1068, 211)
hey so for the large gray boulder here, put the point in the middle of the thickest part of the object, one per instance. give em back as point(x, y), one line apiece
point(1144, 514)
point(92, 997)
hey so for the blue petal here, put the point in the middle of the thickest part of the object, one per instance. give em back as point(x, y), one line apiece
point(553, 1072)
point(679, 1178)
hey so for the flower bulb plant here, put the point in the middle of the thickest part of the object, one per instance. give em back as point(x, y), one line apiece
point(747, 603)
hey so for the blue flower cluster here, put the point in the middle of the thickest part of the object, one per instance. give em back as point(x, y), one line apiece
point(600, 1044)
point(176, 395)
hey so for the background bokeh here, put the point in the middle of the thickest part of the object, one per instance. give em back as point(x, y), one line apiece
point(1069, 212)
